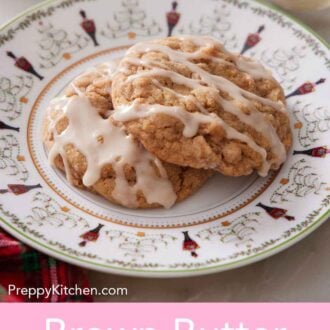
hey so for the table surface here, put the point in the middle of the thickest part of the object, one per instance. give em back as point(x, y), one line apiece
point(301, 273)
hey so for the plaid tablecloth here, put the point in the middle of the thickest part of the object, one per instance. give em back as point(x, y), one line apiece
point(26, 268)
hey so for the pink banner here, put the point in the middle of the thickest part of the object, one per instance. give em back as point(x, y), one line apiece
point(165, 316)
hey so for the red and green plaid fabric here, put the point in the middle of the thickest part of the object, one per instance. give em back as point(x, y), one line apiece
point(26, 268)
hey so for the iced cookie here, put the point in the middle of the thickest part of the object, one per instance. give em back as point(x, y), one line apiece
point(192, 103)
point(97, 155)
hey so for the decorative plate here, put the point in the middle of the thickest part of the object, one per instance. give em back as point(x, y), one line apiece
point(230, 222)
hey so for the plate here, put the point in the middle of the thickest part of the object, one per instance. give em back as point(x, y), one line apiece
point(228, 223)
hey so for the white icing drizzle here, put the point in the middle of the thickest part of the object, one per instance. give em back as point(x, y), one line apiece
point(106, 69)
point(191, 122)
point(208, 78)
point(203, 41)
point(76, 89)
point(103, 143)
point(253, 68)
point(248, 65)
point(255, 118)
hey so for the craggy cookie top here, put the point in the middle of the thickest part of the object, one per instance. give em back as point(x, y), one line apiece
point(96, 154)
point(192, 103)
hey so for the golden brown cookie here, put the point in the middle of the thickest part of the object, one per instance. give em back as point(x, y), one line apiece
point(192, 103)
point(101, 157)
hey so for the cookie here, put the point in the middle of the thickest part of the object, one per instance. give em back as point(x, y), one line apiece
point(192, 103)
point(100, 156)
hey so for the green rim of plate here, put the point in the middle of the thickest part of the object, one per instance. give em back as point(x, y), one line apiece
point(167, 273)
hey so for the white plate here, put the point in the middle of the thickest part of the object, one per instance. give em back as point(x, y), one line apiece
point(223, 225)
